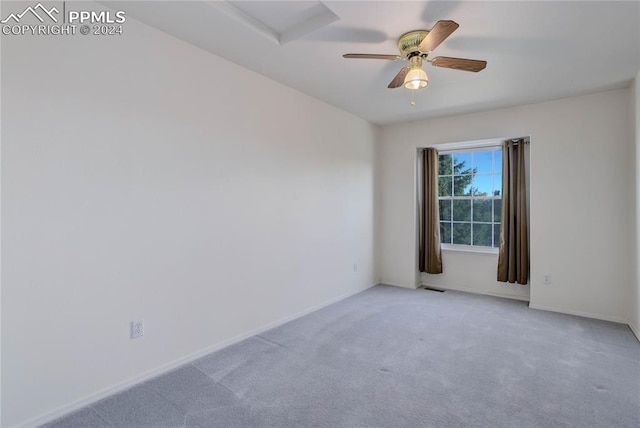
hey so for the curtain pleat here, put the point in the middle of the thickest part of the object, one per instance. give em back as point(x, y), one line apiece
point(513, 255)
point(430, 257)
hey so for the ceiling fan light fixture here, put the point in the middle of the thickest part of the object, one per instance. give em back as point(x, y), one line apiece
point(416, 78)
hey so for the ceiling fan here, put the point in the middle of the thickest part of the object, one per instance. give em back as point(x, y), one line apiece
point(415, 46)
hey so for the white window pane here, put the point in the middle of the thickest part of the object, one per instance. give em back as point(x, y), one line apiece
point(445, 233)
point(462, 210)
point(445, 210)
point(496, 235)
point(444, 165)
point(483, 185)
point(462, 163)
point(462, 185)
point(482, 210)
point(483, 162)
point(462, 233)
point(497, 185)
point(497, 210)
point(482, 235)
point(444, 186)
point(497, 159)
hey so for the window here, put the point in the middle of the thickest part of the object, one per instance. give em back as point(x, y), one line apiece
point(470, 185)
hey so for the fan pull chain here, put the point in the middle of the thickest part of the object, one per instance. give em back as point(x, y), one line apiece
point(413, 101)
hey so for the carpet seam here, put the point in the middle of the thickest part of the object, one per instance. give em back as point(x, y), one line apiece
point(269, 341)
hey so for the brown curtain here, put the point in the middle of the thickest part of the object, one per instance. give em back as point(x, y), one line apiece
point(513, 256)
point(430, 254)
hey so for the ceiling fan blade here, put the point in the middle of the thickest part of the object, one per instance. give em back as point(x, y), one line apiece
point(459, 63)
point(437, 34)
point(372, 56)
point(399, 79)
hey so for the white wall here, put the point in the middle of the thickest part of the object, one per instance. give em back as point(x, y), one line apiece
point(145, 178)
point(580, 209)
point(634, 301)
point(474, 273)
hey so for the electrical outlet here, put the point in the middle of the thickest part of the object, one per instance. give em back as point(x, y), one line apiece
point(137, 328)
point(546, 278)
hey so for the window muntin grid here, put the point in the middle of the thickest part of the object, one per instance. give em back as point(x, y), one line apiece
point(470, 197)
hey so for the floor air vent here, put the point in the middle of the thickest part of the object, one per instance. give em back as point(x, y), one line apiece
point(433, 289)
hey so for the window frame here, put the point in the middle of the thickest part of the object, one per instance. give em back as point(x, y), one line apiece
point(496, 170)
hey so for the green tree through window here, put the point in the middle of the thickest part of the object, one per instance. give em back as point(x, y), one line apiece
point(469, 186)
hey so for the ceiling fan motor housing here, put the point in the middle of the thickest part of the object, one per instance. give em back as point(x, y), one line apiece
point(409, 43)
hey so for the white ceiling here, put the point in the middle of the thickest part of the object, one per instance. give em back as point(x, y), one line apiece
point(536, 51)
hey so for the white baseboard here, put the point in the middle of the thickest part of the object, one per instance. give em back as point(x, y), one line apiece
point(106, 392)
point(475, 291)
point(410, 287)
point(579, 313)
point(635, 330)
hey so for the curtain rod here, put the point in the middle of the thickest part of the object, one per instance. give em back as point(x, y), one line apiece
point(517, 140)
point(473, 145)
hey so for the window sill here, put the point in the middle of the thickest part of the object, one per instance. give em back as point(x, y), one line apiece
point(469, 249)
